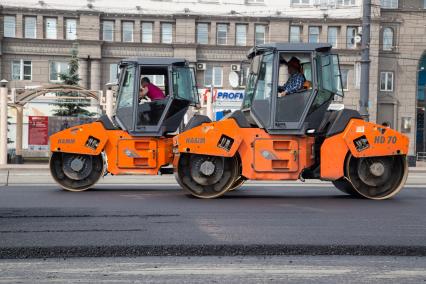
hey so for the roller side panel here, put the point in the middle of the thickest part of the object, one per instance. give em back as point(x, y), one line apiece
point(219, 138)
point(88, 139)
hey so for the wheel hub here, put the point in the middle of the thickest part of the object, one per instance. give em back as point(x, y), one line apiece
point(207, 168)
point(77, 167)
point(77, 164)
point(377, 169)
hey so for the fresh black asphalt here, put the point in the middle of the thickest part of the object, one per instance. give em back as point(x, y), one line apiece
point(44, 221)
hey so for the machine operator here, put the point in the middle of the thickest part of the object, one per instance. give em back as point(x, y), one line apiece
point(150, 90)
point(296, 78)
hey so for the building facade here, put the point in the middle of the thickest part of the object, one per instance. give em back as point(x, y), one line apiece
point(215, 35)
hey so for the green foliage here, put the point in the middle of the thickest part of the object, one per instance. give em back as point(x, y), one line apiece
point(68, 106)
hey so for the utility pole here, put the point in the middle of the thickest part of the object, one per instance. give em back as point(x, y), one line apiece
point(365, 60)
point(3, 122)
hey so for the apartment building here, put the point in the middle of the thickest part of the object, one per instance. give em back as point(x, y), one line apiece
point(215, 35)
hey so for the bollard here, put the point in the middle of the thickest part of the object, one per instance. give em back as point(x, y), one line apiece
point(19, 133)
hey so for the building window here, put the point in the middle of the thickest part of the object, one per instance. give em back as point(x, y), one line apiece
point(113, 73)
point(222, 34)
point(71, 29)
point(350, 37)
point(346, 2)
point(127, 31)
point(241, 34)
point(260, 34)
point(157, 80)
point(213, 75)
point(108, 30)
point(57, 68)
point(147, 30)
point(50, 28)
point(30, 27)
point(9, 26)
point(386, 81)
point(300, 2)
point(389, 4)
point(202, 33)
point(344, 73)
point(332, 36)
point(357, 72)
point(314, 34)
point(295, 32)
point(166, 32)
point(21, 70)
point(387, 39)
point(424, 4)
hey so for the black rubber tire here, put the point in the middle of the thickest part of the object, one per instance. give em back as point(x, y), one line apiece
point(75, 185)
point(346, 187)
point(237, 183)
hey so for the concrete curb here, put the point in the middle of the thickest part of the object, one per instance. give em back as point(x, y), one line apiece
point(209, 250)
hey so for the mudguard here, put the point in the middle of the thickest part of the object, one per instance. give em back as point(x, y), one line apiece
point(361, 139)
point(89, 139)
point(219, 138)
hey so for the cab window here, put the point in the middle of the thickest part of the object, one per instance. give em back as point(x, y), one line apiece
point(184, 85)
point(291, 103)
point(124, 109)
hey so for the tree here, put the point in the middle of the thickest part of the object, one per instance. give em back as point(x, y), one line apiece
point(68, 106)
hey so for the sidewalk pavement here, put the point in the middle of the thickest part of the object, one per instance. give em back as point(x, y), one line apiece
point(39, 174)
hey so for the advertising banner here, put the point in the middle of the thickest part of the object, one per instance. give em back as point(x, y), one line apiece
point(224, 100)
point(230, 95)
point(38, 133)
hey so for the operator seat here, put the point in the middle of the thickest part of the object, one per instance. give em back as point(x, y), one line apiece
point(149, 113)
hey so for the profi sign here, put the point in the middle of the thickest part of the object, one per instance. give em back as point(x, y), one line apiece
point(230, 95)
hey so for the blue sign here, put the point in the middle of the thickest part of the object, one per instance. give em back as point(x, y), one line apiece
point(230, 95)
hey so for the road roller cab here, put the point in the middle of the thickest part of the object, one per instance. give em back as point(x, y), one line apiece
point(291, 137)
point(138, 138)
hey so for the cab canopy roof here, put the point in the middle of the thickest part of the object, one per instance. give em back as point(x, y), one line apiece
point(286, 46)
point(155, 61)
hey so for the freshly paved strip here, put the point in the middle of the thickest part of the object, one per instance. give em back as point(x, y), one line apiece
point(255, 220)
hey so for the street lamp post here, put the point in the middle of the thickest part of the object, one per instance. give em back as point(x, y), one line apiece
point(3, 122)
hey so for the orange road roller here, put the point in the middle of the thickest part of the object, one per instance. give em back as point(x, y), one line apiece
point(138, 138)
point(291, 134)
point(280, 133)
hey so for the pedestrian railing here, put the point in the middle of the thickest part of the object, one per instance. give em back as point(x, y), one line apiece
point(421, 156)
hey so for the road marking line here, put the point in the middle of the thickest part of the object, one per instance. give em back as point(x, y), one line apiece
point(293, 270)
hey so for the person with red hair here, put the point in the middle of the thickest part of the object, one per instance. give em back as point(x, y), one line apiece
point(296, 78)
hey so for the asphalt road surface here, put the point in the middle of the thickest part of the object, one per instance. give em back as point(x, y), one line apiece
point(284, 269)
point(156, 218)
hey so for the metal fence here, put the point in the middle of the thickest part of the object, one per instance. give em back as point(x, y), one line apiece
point(421, 156)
